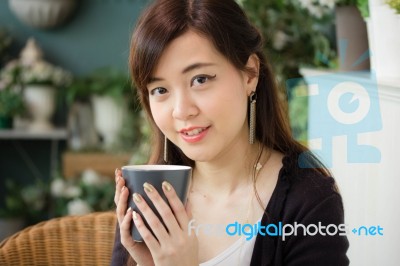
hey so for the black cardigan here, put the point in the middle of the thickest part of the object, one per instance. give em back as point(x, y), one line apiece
point(303, 196)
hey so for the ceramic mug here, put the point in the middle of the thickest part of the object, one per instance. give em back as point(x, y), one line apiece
point(136, 175)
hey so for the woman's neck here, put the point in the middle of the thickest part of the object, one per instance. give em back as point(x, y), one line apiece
point(228, 173)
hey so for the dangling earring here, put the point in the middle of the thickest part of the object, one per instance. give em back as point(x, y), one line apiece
point(252, 117)
point(165, 149)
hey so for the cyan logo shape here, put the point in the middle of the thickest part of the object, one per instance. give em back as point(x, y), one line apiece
point(342, 104)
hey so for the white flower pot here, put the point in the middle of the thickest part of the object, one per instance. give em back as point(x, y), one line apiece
point(108, 117)
point(40, 102)
point(42, 14)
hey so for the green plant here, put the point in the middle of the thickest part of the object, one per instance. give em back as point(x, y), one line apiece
point(395, 4)
point(294, 38)
point(320, 8)
point(108, 81)
point(42, 200)
point(317, 8)
point(38, 73)
point(363, 6)
point(87, 193)
point(346, 2)
point(28, 202)
point(102, 81)
point(13, 200)
point(11, 103)
point(5, 42)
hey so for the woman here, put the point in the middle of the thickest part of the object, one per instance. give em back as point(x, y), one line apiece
point(212, 101)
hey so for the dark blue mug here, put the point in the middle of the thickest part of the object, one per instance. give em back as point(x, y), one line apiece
point(135, 176)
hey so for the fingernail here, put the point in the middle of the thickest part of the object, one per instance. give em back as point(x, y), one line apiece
point(167, 186)
point(136, 197)
point(129, 209)
point(134, 215)
point(148, 187)
point(116, 175)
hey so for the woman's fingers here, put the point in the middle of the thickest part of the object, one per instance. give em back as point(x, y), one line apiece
point(139, 251)
point(151, 218)
point(162, 207)
point(176, 205)
point(161, 241)
point(122, 204)
point(178, 246)
point(125, 225)
point(121, 195)
point(149, 239)
point(119, 183)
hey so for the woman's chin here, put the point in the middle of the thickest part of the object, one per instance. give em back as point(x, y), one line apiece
point(198, 156)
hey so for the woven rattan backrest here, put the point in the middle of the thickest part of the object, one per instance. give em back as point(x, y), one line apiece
point(70, 240)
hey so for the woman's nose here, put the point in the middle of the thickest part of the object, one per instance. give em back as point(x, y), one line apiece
point(184, 108)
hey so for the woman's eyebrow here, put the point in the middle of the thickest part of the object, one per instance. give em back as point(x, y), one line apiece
point(195, 66)
point(184, 71)
point(154, 79)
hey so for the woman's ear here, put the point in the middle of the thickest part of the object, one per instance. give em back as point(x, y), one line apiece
point(252, 73)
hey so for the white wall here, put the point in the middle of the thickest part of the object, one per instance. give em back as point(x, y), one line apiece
point(370, 190)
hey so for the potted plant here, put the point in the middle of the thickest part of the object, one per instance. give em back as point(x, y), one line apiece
point(38, 81)
point(113, 100)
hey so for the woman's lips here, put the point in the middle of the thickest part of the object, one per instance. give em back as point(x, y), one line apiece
point(194, 134)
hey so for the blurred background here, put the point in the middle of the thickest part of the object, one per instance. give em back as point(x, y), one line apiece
point(68, 111)
point(69, 114)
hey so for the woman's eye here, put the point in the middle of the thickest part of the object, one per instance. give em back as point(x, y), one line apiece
point(199, 80)
point(158, 91)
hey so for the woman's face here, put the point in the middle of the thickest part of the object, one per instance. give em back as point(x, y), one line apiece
point(198, 99)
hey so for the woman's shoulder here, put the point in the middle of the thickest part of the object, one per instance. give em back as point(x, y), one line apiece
point(305, 180)
point(302, 188)
point(304, 197)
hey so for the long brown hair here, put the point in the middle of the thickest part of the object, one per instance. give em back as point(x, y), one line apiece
point(226, 25)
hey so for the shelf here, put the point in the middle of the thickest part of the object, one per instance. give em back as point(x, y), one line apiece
point(74, 163)
point(19, 134)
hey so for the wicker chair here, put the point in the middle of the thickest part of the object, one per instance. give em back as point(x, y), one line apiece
point(70, 240)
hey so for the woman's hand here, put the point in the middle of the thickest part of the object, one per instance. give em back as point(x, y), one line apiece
point(138, 251)
point(171, 245)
